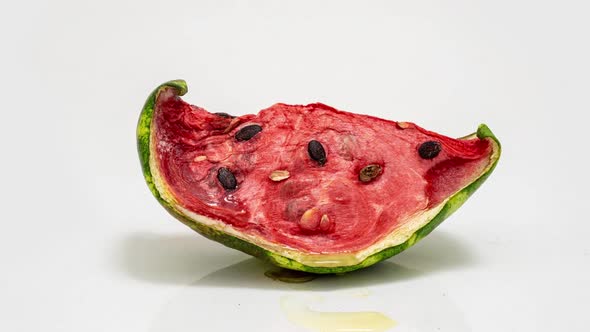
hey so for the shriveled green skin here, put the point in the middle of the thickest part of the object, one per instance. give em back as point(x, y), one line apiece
point(144, 127)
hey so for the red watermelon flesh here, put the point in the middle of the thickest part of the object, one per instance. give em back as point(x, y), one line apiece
point(321, 207)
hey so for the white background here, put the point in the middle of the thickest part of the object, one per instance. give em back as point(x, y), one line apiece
point(85, 247)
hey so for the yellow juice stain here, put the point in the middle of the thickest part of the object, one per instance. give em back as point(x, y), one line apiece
point(361, 293)
point(300, 314)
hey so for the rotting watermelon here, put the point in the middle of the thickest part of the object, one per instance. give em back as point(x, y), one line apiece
point(306, 187)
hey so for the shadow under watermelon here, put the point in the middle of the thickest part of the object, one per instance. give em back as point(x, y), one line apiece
point(440, 252)
point(191, 260)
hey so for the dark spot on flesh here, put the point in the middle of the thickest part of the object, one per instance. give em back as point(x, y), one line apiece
point(224, 115)
point(316, 152)
point(429, 149)
point(247, 132)
point(370, 173)
point(226, 178)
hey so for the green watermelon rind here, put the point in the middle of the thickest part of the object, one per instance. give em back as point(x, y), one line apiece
point(144, 128)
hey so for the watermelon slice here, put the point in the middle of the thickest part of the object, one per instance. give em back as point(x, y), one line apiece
point(306, 187)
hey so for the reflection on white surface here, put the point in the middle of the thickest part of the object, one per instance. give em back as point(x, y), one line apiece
point(416, 303)
point(239, 297)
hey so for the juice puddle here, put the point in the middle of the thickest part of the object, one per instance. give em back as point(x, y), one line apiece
point(300, 314)
point(290, 276)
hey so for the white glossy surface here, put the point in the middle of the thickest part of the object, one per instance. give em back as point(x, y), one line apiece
point(84, 246)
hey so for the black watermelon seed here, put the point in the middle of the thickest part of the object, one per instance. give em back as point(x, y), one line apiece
point(316, 152)
point(370, 172)
point(226, 178)
point(247, 132)
point(224, 115)
point(429, 149)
